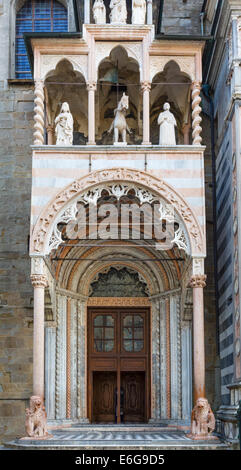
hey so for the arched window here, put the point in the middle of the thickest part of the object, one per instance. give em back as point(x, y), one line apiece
point(37, 16)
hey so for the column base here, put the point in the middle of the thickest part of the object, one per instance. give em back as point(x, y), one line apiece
point(91, 143)
point(146, 144)
point(202, 437)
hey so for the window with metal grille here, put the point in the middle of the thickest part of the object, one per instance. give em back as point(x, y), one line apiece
point(37, 16)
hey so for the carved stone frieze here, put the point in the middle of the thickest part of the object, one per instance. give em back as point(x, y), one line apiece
point(118, 302)
point(103, 50)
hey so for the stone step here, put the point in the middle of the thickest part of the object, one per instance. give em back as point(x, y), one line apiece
point(131, 438)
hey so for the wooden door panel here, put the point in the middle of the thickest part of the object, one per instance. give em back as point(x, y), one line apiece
point(133, 384)
point(104, 385)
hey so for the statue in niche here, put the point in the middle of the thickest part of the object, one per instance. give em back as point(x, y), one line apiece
point(64, 124)
point(167, 123)
point(118, 13)
point(119, 124)
point(138, 11)
point(99, 12)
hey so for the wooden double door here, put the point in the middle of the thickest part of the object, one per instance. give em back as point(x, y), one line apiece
point(118, 365)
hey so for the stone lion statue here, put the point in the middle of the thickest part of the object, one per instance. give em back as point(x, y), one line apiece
point(36, 418)
point(202, 420)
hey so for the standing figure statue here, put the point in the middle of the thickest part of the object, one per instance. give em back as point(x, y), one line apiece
point(118, 13)
point(138, 11)
point(99, 12)
point(119, 124)
point(167, 123)
point(64, 124)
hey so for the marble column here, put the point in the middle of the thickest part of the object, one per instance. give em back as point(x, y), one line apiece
point(50, 134)
point(196, 110)
point(146, 88)
point(198, 283)
point(91, 88)
point(39, 282)
point(149, 19)
point(86, 11)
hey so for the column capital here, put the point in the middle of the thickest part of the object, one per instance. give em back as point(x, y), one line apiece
point(196, 84)
point(145, 85)
point(39, 280)
point(91, 85)
point(198, 280)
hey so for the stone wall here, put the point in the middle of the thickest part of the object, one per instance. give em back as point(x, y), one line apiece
point(182, 17)
point(16, 127)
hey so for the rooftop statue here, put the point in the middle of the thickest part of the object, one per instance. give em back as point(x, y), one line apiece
point(99, 12)
point(119, 124)
point(138, 11)
point(118, 13)
point(64, 124)
point(167, 123)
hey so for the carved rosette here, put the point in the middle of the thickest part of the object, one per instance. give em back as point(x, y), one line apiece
point(196, 110)
point(199, 280)
point(39, 280)
point(39, 113)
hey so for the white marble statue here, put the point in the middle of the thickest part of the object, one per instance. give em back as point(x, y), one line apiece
point(119, 124)
point(99, 12)
point(118, 13)
point(64, 124)
point(138, 11)
point(167, 123)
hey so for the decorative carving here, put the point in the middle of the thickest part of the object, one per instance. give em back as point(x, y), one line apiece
point(202, 420)
point(50, 61)
point(39, 113)
point(118, 302)
point(198, 281)
point(39, 280)
point(180, 240)
point(99, 12)
point(196, 118)
point(119, 124)
point(145, 86)
point(91, 86)
point(138, 11)
point(198, 266)
point(36, 419)
point(118, 13)
point(64, 126)
point(133, 177)
point(167, 123)
point(118, 283)
point(186, 64)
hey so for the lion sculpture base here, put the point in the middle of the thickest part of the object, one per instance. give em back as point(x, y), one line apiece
point(202, 421)
point(36, 420)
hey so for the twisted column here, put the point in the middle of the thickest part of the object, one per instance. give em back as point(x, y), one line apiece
point(39, 113)
point(39, 282)
point(91, 88)
point(146, 88)
point(196, 110)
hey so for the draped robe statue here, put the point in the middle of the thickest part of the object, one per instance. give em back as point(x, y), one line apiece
point(138, 11)
point(99, 12)
point(118, 13)
point(167, 123)
point(64, 124)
